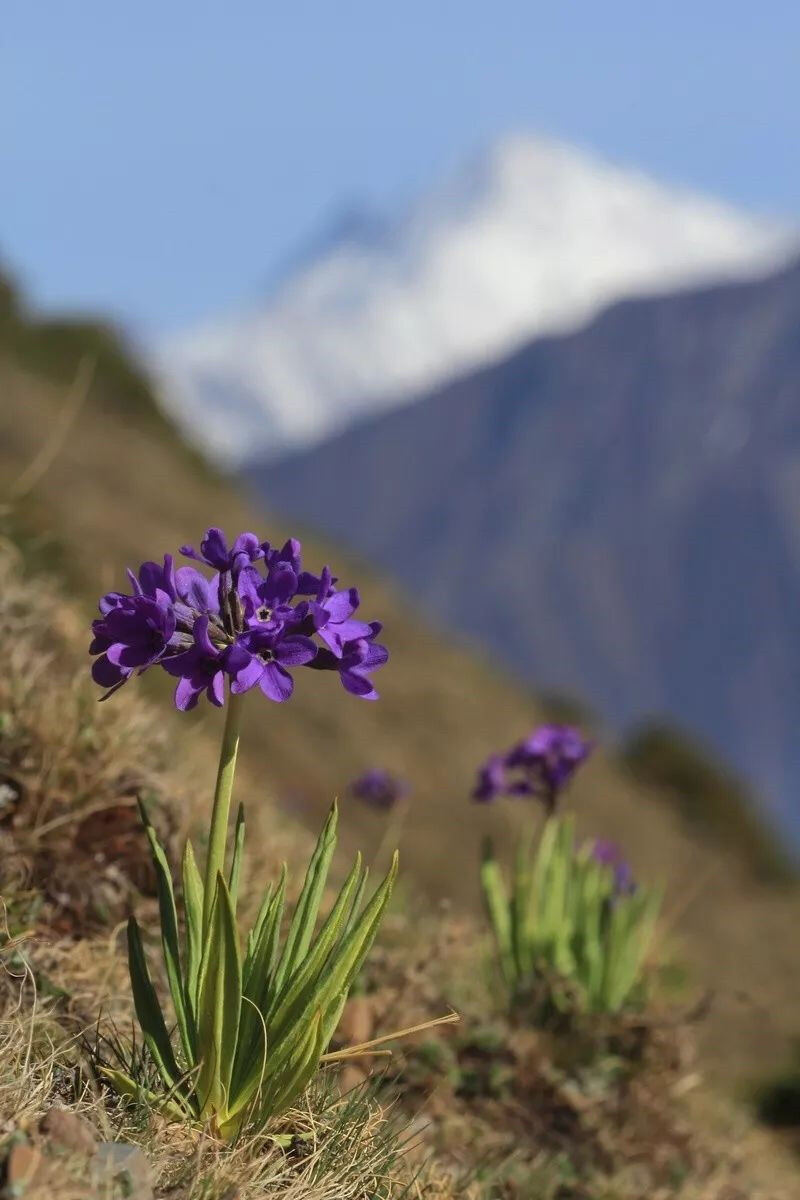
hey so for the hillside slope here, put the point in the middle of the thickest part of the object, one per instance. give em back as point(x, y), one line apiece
point(530, 237)
point(631, 493)
point(122, 489)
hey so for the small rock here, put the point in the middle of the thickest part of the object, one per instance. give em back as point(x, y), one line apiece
point(68, 1130)
point(22, 1164)
point(121, 1161)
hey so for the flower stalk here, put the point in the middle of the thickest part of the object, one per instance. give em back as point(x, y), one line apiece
point(220, 813)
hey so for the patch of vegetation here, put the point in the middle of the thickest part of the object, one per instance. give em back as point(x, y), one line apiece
point(708, 795)
point(53, 347)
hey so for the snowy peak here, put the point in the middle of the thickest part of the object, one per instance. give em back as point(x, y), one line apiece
point(531, 237)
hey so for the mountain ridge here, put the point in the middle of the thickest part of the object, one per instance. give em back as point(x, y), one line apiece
point(530, 237)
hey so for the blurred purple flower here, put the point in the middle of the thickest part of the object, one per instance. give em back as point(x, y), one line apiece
point(492, 780)
point(539, 766)
point(609, 854)
point(548, 759)
point(247, 624)
point(378, 788)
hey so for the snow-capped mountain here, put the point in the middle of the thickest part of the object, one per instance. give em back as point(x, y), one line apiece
point(531, 237)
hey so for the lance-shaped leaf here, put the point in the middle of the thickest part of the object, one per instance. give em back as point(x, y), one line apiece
point(305, 976)
point(356, 945)
point(169, 939)
point(497, 907)
point(301, 928)
point(193, 913)
point(256, 989)
point(148, 1009)
point(519, 909)
point(220, 1002)
point(333, 984)
point(264, 940)
point(236, 861)
point(298, 1072)
point(125, 1086)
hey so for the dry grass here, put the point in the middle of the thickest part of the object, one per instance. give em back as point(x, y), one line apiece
point(342, 1149)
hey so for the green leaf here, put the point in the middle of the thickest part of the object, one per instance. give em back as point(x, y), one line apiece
point(297, 985)
point(148, 1009)
point(298, 1072)
point(519, 909)
point(305, 914)
point(330, 990)
point(257, 976)
point(352, 951)
point(125, 1086)
point(250, 1073)
point(193, 906)
point(220, 1002)
point(498, 909)
point(169, 940)
point(236, 861)
point(355, 907)
point(264, 939)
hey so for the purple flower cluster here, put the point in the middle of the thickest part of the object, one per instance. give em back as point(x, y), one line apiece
point(541, 765)
point(257, 616)
point(379, 789)
point(609, 854)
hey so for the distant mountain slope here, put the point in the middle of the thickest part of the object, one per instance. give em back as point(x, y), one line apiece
point(532, 237)
point(615, 511)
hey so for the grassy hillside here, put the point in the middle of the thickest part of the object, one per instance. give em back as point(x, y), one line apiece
point(122, 488)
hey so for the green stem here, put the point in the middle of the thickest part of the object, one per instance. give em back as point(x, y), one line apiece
point(222, 803)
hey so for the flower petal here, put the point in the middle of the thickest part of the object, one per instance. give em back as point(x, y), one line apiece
point(106, 673)
point(276, 683)
point(358, 685)
point(193, 588)
point(295, 651)
point(216, 689)
point(186, 694)
point(342, 605)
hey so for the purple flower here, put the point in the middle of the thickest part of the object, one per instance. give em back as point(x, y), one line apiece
point(214, 551)
point(261, 656)
point(492, 780)
point(246, 625)
point(379, 789)
point(133, 634)
point(355, 663)
point(539, 766)
point(609, 854)
point(548, 758)
point(199, 669)
point(337, 628)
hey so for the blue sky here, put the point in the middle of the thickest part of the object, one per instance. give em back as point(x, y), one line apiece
point(157, 159)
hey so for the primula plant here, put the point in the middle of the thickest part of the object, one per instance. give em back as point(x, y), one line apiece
point(251, 1021)
point(573, 921)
